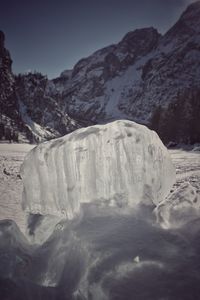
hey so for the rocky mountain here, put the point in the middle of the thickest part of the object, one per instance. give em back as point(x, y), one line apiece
point(40, 107)
point(9, 113)
point(29, 109)
point(101, 85)
point(146, 77)
point(140, 75)
point(6, 77)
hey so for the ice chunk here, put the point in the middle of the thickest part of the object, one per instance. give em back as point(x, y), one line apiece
point(40, 228)
point(137, 259)
point(180, 207)
point(117, 164)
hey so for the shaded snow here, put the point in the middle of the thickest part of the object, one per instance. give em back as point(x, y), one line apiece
point(38, 131)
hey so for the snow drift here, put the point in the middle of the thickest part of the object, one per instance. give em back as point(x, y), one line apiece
point(120, 164)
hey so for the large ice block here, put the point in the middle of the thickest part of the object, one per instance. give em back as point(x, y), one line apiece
point(117, 164)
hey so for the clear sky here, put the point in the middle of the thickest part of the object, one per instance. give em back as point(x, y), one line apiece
point(52, 35)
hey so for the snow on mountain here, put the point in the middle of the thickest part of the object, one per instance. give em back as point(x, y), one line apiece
point(40, 109)
point(101, 82)
point(120, 164)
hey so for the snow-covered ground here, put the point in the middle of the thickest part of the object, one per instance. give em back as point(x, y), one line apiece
point(187, 165)
point(11, 158)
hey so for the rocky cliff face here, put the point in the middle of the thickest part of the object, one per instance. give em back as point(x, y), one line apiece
point(6, 77)
point(10, 120)
point(30, 109)
point(40, 107)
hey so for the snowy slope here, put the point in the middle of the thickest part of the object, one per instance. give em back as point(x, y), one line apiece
point(100, 83)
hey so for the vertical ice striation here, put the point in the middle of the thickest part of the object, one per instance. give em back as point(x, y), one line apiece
point(118, 164)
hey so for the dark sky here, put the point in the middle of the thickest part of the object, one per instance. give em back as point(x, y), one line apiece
point(52, 35)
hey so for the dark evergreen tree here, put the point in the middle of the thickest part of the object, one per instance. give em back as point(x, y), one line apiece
point(2, 131)
point(155, 119)
point(180, 121)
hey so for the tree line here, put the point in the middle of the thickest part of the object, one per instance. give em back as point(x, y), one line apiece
point(8, 133)
point(180, 121)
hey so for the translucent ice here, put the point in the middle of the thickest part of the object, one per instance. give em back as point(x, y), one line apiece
point(118, 164)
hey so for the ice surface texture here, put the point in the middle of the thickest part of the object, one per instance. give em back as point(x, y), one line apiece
point(118, 164)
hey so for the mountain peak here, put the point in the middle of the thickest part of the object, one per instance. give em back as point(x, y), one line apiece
point(139, 42)
point(192, 14)
point(187, 25)
point(140, 33)
point(190, 18)
point(193, 8)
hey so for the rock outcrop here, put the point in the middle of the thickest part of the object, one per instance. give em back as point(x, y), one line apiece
point(30, 109)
